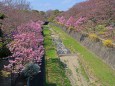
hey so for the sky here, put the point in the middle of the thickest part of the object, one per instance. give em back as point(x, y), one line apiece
point(44, 5)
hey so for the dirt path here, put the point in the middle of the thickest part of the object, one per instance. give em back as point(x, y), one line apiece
point(73, 70)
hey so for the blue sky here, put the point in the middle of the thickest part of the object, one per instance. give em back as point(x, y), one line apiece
point(44, 5)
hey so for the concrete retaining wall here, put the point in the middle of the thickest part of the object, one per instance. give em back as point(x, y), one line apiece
point(105, 53)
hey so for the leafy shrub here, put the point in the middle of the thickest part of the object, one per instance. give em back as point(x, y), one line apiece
point(1, 44)
point(1, 32)
point(108, 43)
point(93, 37)
point(102, 33)
point(31, 69)
point(2, 16)
point(50, 19)
point(4, 51)
point(70, 28)
point(100, 28)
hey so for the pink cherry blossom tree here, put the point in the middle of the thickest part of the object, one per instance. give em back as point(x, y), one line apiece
point(26, 48)
point(70, 22)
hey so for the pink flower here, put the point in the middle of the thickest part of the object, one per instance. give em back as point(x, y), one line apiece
point(11, 61)
point(70, 22)
point(27, 46)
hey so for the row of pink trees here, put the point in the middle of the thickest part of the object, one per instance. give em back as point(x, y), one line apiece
point(16, 14)
point(27, 49)
point(99, 11)
point(71, 22)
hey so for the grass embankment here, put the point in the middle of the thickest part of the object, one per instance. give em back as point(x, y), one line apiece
point(55, 73)
point(102, 71)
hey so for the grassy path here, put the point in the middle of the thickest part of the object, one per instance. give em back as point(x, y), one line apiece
point(55, 73)
point(95, 67)
point(70, 61)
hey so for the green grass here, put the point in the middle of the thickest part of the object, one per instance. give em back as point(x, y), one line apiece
point(83, 72)
point(101, 70)
point(55, 73)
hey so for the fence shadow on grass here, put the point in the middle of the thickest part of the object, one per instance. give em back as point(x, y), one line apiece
point(55, 62)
